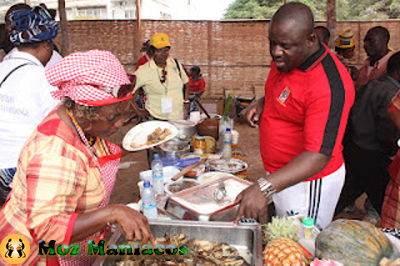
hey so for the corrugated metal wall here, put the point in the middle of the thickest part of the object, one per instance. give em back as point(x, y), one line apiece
point(231, 54)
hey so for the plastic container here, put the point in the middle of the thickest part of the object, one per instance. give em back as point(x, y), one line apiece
point(169, 172)
point(308, 226)
point(227, 149)
point(235, 137)
point(157, 174)
point(199, 145)
point(149, 201)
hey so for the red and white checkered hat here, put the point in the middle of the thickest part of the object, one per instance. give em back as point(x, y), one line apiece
point(89, 78)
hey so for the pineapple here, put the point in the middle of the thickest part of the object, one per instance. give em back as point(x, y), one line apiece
point(282, 248)
point(283, 251)
point(281, 227)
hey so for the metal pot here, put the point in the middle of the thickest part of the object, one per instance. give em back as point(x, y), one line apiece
point(174, 149)
point(186, 129)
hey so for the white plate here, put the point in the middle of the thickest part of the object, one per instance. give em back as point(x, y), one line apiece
point(139, 133)
point(229, 166)
point(211, 176)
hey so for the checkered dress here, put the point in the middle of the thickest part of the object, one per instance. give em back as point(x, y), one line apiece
point(57, 178)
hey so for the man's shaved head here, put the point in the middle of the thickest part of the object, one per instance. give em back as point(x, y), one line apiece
point(292, 38)
point(297, 15)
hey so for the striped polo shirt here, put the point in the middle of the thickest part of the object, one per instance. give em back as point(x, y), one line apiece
point(306, 109)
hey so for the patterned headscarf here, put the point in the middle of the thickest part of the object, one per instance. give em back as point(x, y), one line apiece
point(30, 27)
point(93, 78)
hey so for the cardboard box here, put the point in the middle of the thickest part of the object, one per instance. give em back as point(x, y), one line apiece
point(213, 106)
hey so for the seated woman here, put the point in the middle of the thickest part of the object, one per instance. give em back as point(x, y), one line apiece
point(67, 169)
point(197, 86)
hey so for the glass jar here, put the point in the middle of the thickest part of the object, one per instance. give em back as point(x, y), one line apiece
point(199, 145)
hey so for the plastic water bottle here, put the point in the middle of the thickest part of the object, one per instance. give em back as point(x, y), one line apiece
point(157, 174)
point(149, 201)
point(227, 149)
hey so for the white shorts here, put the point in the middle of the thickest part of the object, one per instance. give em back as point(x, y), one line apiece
point(316, 199)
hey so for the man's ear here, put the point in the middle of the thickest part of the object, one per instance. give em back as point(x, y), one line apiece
point(312, 38)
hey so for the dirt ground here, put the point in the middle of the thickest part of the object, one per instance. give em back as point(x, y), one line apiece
point(126, 190)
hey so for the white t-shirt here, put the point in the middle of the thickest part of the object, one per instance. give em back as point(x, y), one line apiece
point(25, 101)
point(54, 58)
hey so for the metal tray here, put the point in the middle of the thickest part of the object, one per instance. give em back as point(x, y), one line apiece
point(199, 204)
point(245, 237)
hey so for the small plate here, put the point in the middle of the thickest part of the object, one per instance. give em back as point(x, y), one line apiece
point(228, 166)
point(138, 134)
point(182, 163)
point(211, 176)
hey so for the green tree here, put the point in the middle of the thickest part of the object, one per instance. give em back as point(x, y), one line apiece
point(345, 9)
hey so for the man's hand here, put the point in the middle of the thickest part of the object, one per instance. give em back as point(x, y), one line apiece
point(134, 224)
point(254, 111)
point(252, 204)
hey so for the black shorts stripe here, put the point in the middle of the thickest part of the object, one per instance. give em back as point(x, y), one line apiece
point(337, 103)
point(319, 188)
point(315, 198)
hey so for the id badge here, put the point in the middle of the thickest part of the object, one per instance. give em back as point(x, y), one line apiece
point(166, 105)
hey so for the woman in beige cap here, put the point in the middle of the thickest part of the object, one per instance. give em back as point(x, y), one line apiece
point(162, 78)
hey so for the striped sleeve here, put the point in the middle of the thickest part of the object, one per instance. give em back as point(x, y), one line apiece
point(325, 111)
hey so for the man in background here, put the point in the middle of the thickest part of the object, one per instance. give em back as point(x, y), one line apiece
point(372, 141)
point(376, 45)
point(323, 33)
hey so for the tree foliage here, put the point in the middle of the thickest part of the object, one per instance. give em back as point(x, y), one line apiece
point(345, 9)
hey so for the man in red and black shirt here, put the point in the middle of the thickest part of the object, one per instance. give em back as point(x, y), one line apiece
point(303, 116)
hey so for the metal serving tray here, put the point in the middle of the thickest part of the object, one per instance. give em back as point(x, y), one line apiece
point(245, 237)
point(199, 204)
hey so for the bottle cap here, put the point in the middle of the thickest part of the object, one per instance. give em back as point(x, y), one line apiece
point(228, 129)
point(156, 157)
point(308, 221)
point(146, 183)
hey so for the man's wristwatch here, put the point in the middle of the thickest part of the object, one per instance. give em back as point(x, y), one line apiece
point(266, 187)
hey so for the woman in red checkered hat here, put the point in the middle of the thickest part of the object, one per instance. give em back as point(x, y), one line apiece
point(67, 168)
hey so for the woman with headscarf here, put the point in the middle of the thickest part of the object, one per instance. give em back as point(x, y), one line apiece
point(162, 78)
point(67, 168)
point(24, 89)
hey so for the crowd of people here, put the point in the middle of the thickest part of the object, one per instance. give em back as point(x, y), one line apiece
point(328, 131)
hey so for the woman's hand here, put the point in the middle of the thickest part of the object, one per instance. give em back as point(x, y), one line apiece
point(134, 224)
point(186, 110)
point(143, 114)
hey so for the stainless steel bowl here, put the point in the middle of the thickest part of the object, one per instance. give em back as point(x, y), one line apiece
point(174, 148)
point(186, 129)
